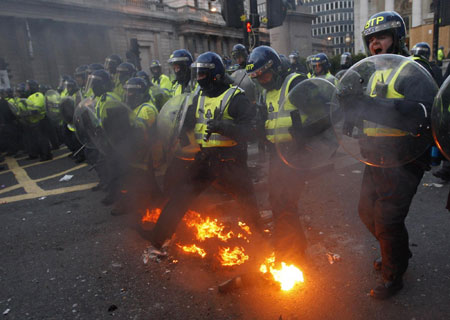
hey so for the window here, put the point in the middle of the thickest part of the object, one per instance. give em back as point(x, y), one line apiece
point(327, 7)
point(328, 30)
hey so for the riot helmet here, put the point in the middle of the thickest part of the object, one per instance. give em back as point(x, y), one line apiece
point(209, 71)
point(155, 68)
point(62, 78)
point(320, 64)
point(112, 62)
point(144, 75)
point(20, 90)
point(81, 74)
point(181, 60)
point(240, 54)
point(309, 67)
point(93, 67)
point(285, 64)
point(294, 57)
point(43, 88)
point(382, 24)
point(100, 82)
point(421, 49)
point(346, 60)
point(31, 86)
point(264, 66)
point(136, 92)
point(125, 70)
point(71, 86)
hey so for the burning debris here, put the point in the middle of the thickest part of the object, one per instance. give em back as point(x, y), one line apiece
point(193, 249)
point(233, 257)
point(287, 275)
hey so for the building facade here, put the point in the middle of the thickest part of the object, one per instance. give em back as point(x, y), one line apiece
point(333, 24)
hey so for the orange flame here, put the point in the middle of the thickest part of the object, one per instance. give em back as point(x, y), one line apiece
point(151, 216)
point(193, 249)
point(287, 276)
point(233, 257)
point(244, 227)
point(206, 228)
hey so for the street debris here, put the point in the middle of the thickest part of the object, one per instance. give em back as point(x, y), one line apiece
point(67, 177)
point(356, 171)
point(6, 311)
point(436, 185)
point(112, 308)
point(333, 257)
point(116, 265)
point(152, 253)
point(42, 198)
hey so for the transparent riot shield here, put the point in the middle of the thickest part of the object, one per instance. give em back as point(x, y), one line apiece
point(88, 128)
point(170, 122)
point(303, 133)
point(67, 109)
point(385, 103)
point(14, 109)
point(126, 135)
point(242, 80)
point(159, 96)
point(440, 119)
point(52, 104)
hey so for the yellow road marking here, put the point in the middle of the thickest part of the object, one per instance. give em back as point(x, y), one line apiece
point(61, 173)
point(45, 193)
point(37, 162)
point(11, 188)
point(22, 177)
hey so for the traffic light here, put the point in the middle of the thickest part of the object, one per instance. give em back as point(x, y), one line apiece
point(232, 10)
point(276, 12)
point(248, 26)
point(444, 13)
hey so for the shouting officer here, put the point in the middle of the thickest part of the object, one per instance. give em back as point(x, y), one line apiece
point(264, 65)
point(387, 192)
point(221, 116)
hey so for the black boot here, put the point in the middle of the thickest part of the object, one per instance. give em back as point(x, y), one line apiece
point(387, 289)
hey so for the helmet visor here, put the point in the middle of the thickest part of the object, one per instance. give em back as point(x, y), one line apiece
point(382, 27)
point(258, 72)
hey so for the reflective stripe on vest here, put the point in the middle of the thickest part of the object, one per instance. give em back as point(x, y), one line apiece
point(388, 77)
point(205, 111)
point(279, 124)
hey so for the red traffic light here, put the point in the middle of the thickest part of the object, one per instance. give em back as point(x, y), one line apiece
point(248, 26)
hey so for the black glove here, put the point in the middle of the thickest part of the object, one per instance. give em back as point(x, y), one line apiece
point(215, 126)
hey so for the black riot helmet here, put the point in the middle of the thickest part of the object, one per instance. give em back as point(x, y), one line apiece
point(20, 90)
point(136, 92)
point(421, 49)
point(62, 78)
point(71, 86)
point(209, 70)
point(155, 68)
point(309, 67)
point(100, 82)
point(81, 74)
point(346, 60)
point(294, 57)
point(181, 61)
point(43, 88)
point(112, 62)
point(240, 54)
point(285, 63)
point(31, 86)
point(264, 65)
point(144, 75)
point(93, 67)
point(320, 64)
point(386, 22)
point(125, 70)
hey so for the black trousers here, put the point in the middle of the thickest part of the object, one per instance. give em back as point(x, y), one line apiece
point(204, 170)
point(386, 195)
point(285, 188)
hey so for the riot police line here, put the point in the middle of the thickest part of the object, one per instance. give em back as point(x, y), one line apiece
point(385, 111)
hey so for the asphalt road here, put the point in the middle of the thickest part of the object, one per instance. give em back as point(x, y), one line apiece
point(63, 256)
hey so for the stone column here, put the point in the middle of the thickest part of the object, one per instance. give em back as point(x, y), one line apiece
point(389, 5)
point(416, 13)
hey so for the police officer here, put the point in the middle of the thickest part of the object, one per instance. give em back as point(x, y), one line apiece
point(421, 54)
point(36, 130)
point(138, 176)
point(180, 61)
point(346, 63)
point(239, 54)
point(80, 75)
point(125, 71)
point(264, 65)
point(159, 78)
point(321, 67)
point(220, 116)
point(296, 65)
point(111, 64)
point(101, 85)
point(309, 67)
point(440, 56)
point(386, 193)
